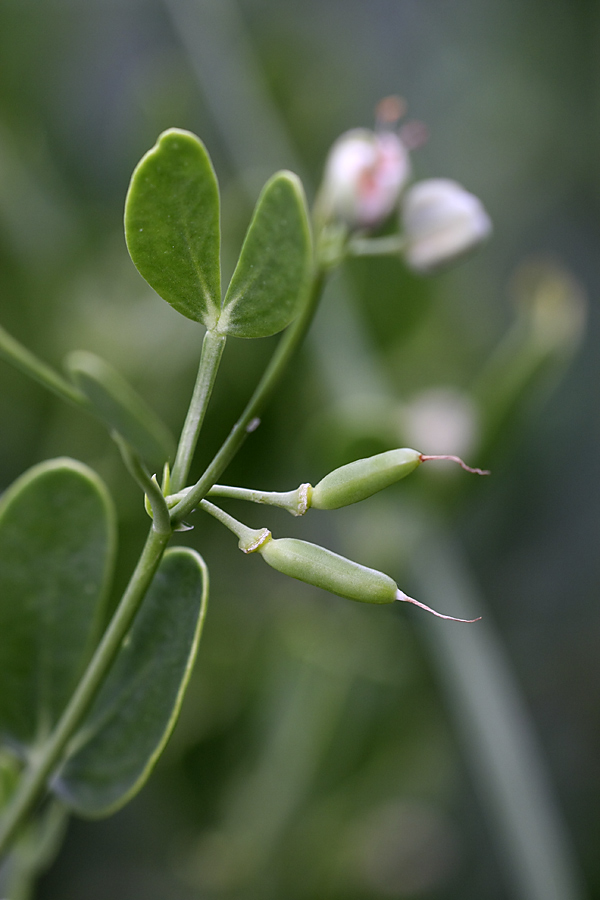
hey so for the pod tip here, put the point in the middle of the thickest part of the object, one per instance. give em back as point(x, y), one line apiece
point(400, 595)
point(458, 460)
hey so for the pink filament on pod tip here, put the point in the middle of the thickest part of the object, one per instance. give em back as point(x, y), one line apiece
point(400, 595)
point(458, 460)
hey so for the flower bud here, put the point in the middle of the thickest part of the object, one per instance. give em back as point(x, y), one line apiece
point(325, 569)
point(364, 175)
point(441, 222)
point(362, 478)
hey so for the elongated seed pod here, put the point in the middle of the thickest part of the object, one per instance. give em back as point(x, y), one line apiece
point(363, 477)
point(336, 574)
point(318, 566)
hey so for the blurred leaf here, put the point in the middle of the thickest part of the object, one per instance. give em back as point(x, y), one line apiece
point(132, 717)
point(172, 225)
point(57, 543)
point(271, 278)
point(120, 407)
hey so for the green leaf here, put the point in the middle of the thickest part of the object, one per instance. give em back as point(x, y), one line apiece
point(271, 278)
point(172, 225)
point(132, 717)
point(57, 544)
point(120, 407)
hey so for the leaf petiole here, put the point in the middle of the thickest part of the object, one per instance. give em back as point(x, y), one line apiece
point(288, 344)
point(212, 351)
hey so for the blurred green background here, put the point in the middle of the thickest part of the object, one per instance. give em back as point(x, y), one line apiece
point(328, 750)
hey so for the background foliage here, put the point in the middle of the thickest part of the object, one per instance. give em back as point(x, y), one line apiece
point(316, 756)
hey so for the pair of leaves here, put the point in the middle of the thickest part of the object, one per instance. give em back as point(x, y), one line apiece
point(57, 547)
point(173, 236)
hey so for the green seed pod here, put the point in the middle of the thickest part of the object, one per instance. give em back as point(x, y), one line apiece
point(364, 477)
point(327, 570)
point(318, 566)
point(336, 574)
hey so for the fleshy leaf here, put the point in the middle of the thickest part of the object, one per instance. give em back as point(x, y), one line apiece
point(172, 225)
point(57, 543)
point(272, 275)
point(137, 707)
point(120, 407)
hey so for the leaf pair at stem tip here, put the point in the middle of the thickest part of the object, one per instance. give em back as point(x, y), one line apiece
point(172, 227)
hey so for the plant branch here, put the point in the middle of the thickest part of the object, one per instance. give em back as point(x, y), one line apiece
point(212, 351)
point(286, 347)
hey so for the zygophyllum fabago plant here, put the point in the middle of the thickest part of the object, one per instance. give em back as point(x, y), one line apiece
point(84, 715)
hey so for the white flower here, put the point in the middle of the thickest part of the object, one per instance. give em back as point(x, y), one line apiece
point(441, 221)
point(440, 419)
point(364, 176)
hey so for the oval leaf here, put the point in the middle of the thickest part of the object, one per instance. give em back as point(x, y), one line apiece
point(57, 542)
point(120, 407)
point(137, 707)
point(172, 225)
point(271, 278)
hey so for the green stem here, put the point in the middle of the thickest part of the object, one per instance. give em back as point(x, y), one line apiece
point(296, 502)
point(250, 539)
point(286, 347)
point(50, 754)
point(212, 350)
point(23, 359)
point(391, 245)
point(151, 488)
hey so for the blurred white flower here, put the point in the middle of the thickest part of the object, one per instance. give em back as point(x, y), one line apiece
point(440, 420)
point(441, 221)
point(364, 175)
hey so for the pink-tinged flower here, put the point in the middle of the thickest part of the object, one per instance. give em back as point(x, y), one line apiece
point(365, 173)
point(441, 222)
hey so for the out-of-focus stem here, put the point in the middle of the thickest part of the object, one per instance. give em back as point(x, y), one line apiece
point(391, 245)
point(504, 760)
